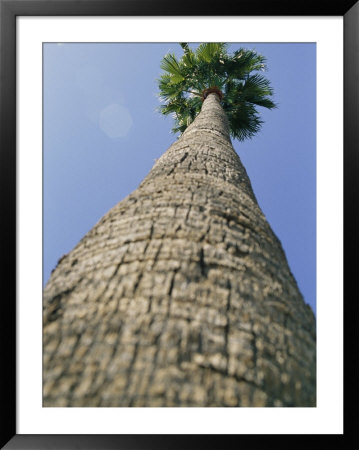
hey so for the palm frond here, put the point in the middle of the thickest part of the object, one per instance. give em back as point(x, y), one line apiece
point(170, 64)
point(208, 51)
point(185, 47)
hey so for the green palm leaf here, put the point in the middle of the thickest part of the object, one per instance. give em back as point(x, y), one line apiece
point(170, 64)
point(207, 52)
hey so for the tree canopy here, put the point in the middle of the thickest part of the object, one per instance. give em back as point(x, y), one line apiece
point(236, 78)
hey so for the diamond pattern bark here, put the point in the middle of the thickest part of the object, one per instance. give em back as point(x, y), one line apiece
point(181, 295)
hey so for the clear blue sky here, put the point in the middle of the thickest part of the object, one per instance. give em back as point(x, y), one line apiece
point(102, 134)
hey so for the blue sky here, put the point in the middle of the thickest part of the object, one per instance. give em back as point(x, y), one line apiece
point(102, 134)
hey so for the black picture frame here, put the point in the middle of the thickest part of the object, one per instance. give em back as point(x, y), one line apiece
point(9, 10)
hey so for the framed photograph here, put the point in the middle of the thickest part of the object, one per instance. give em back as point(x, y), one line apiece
point(165, 289)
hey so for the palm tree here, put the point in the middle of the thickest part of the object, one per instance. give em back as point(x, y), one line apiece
point(181, 295)
point(234, 78)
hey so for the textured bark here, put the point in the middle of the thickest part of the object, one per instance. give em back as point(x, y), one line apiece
point(180, 295)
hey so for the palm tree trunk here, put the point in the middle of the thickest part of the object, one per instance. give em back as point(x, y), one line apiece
point(180, 295)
